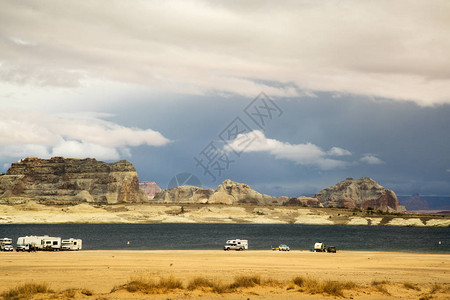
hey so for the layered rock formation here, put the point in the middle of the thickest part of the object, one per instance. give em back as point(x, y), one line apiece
point(59, 180)
point(150, 188)
point(229, 192)
point(301, 201)
point(363, 193)
point(183, 194)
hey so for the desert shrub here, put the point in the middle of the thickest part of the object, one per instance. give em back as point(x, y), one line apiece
point(298, 281)
point(199, 282)
point(220, 288)
point(245, 281)
point(411, 286)
point(272, 282)
point(87, 292)
point(148, 285)
point(435, 288)
point(313, 286)
point(69, 293)
point(26, 291)
point(380, 286)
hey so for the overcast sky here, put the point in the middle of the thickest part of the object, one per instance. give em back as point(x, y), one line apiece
point(287, 96)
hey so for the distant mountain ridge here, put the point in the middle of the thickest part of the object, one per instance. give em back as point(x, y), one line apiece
point(364, 193)
point(72, 181)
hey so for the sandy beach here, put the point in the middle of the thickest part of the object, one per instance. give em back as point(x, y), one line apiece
point(401, 275)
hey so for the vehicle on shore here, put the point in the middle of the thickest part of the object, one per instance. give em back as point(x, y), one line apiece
point(71, 244)
point(6, 244)
point(236, 244)
point(320, 247)
point(29, 243)
point(331, 249)
point(50, 243)
point(282, 247)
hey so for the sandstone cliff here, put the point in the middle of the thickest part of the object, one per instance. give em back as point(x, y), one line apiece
point(59, 180)
point(363, 193)
point(229, 192)
point(150, 188)
point(183, 194)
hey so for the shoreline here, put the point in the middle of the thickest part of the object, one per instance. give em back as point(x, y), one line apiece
point(34, 213)
point(101, 271)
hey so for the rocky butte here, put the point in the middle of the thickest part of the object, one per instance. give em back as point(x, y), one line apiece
point(229, 192)
point(69, 181)
point(363, 193)
point(150, 188)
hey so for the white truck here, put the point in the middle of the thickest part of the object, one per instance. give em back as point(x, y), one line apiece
point(6, 244)
point(236, 244)
point(71, 244)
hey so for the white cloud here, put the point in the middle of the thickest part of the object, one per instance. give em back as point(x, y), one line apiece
point(336, 151)
point(227, 46)
point(302, 154)
point(371, 159)
point(31, 133)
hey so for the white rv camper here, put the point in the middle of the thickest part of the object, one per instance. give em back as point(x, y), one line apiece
point(71, 244)
point(319, 247)
point(27, 243)
point(6, 244)
point(236, 244)
point(51, 243)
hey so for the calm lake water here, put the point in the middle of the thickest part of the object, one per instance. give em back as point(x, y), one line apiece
point(260, 236)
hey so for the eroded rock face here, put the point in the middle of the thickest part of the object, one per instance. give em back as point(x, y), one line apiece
point(67, 180)
point(150, 188)
point(229, 192)
point(183, 194)
point(363, 193)
point(303, 201)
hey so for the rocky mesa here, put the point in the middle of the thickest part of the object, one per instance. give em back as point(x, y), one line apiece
point(68, 181)
point(364, 193)
point(229, 192)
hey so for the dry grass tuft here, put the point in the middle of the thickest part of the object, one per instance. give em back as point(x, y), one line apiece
point(149, 285)
point(436, 287)
point(245, 281)
point(69, 293)
point(380, 286)
point(26, 291)
point(411, 286)
point(313, 286)
point(199, 282)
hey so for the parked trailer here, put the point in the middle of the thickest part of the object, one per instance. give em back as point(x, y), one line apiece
point(6, 244)
point(320, 247)
point(236, 244)
point(71, 244)
point(28, 243)
point(50, 243)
